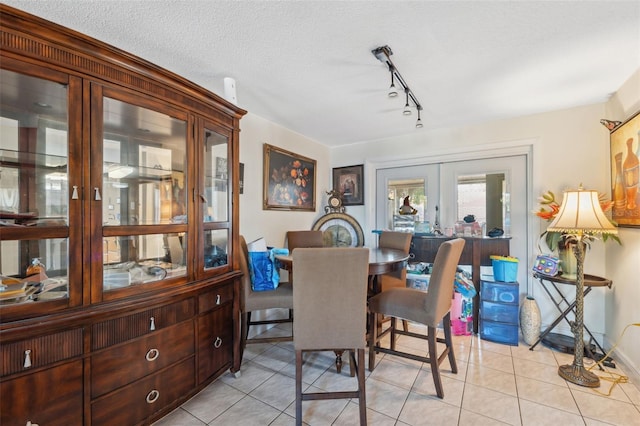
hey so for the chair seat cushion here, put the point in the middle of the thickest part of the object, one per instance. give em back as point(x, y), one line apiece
point(281, 297)
point(405, 303)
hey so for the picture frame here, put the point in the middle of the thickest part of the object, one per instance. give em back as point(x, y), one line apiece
point(288, 180)
point(221, 168)
point(349, 182)
point(625, 170)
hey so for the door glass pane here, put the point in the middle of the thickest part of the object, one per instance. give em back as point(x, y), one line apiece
point(33, 151)
point(144, 157)
point(406, 192)
point(142, 259)
point(484, 197)
point(216, 246)
point(216, 177)
point(20, 282)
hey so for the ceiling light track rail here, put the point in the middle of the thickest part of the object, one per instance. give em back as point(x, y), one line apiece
point(383, 53)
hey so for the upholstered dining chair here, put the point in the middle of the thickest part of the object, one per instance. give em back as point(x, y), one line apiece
point(399, 241)
point(297, 239)
point(330, 302)
point(424, 307)
point(250, 301)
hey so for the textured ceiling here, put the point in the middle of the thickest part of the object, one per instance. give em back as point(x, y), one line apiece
point(307, 65)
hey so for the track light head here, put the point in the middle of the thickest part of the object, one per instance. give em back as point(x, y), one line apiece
point(419, 121)
point(393, 93)
point(407, 109)
point(392, 89)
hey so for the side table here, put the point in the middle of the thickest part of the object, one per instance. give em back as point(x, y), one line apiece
point(564, 306)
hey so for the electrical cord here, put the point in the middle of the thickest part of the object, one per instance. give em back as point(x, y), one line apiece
point(614, 378)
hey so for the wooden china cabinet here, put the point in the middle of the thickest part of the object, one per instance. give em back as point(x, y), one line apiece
point(118, 231)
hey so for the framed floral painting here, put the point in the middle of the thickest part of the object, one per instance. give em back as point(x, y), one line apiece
point(289, 180)
point(625, 171)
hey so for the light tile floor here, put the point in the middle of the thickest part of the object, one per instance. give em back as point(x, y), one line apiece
point(495, 385)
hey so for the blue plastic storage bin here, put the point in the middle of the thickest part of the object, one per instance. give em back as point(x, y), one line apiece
point(505, 269)
point(500, 292)
point(499, 332)
point(501, 312)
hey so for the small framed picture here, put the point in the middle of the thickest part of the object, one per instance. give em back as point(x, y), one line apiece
point(349, 182)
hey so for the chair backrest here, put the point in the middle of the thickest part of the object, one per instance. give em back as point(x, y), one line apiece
point(395, 240)
point(399, 241)
point(330, 297)
point(438, 300)
point(297, 239)
point(244, 267)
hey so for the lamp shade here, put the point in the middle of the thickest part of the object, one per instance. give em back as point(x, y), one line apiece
point(580, 213)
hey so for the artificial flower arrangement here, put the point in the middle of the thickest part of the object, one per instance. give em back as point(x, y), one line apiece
point(548, 210)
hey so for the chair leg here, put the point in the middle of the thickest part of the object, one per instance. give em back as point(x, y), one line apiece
point(244, 331)
point(446, 323)
point(362, 394)
point(433, 361)
point(298, 388)
point(353, 366)
point(405, 325)
point(393, 333)
point(373, 340)
point(248, 326)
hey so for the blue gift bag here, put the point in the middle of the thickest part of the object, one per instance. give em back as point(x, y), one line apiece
point(263, 269)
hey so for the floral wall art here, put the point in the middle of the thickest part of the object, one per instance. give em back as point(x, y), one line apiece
point(289, 180)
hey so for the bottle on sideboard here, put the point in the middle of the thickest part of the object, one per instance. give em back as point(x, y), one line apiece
point(619, 195)
point(631, 172)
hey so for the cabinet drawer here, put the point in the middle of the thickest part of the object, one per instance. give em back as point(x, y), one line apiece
point(499, 292)
point(136, 402)
point(215, 341)
point(40, 351)
point(501, 312)
point(126, 363)
point(50, 397)
point(108, 333)
point(499, 332)
point(218, 296)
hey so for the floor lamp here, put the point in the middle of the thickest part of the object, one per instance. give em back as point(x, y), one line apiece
point(579, 218)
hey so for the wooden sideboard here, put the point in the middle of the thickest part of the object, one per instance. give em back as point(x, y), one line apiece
point(477, 252)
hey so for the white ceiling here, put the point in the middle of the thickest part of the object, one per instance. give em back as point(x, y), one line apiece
point(307, 65)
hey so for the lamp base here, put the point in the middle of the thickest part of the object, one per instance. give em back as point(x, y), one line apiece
point(579, 375)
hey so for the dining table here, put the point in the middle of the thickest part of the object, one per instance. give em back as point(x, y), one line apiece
point(381, 261)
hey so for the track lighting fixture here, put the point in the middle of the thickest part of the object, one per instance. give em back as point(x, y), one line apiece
point(383, 53)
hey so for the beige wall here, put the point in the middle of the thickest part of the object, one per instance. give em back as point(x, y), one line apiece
point(622, 305)
point(272, 224)
point(569, 147)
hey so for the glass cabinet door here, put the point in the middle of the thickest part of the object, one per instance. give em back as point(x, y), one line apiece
point(35, 176)
point(143, 195)
point(215, 197)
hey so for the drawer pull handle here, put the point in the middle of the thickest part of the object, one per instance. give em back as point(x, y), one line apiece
point(153, 396)
point(152, 326)
point(217, 343)
point(218, 299)
point(152, 355)
point(27, 358)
